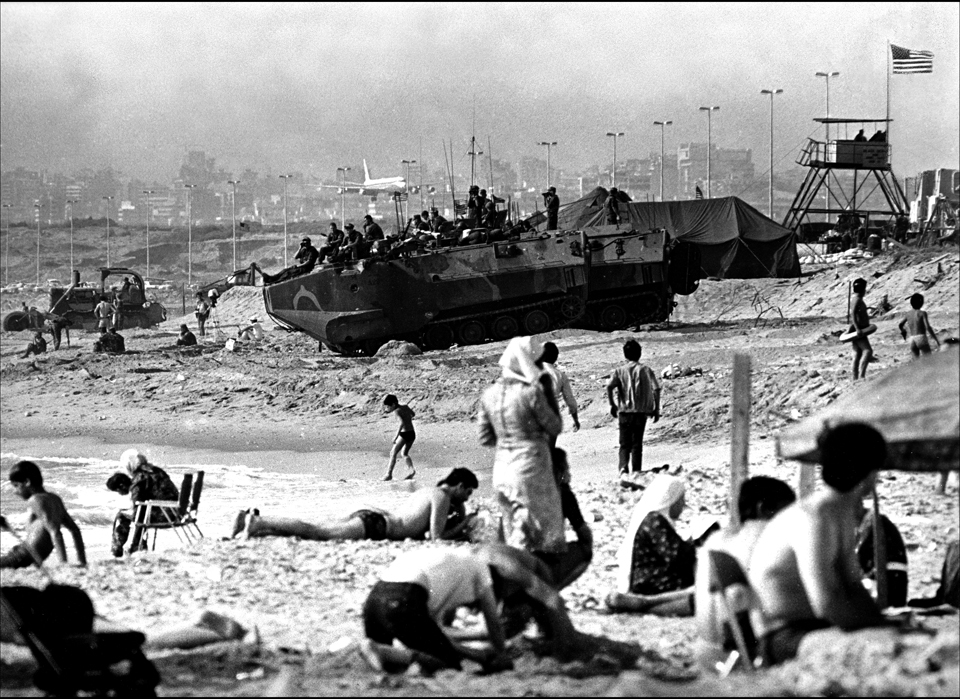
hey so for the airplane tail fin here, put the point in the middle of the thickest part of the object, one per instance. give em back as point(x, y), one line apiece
point(366, 171)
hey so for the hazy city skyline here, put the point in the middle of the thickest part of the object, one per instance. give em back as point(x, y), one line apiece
point(310, 87)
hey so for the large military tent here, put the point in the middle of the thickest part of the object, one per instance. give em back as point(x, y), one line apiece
point(735, 240)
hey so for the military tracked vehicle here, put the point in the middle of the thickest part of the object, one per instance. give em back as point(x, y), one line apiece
point(476, 293)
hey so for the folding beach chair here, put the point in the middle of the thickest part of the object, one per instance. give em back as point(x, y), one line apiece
point(178, 515)
point(725, 572)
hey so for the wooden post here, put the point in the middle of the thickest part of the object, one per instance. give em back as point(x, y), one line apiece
point(807, 482)
point(849, 286)
point(879, 553)
point(739, 432)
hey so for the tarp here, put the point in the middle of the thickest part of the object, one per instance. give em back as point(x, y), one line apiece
point(736, 241)
point(916, 407)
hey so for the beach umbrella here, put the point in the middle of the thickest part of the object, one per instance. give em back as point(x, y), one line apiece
point(916, 407)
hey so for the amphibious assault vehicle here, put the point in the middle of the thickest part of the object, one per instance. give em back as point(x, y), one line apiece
point(607, 279)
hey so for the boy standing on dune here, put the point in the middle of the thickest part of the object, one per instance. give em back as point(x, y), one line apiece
point(405, 436)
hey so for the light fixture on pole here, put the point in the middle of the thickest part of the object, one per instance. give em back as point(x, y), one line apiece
point(6, 254)
point(663, 127)
point(709, 110)
point(343, 187)
point(37, 207)
point(108, 200)
point(188, 187)
point(406, 183)
point(148, 192)
point(827, 75)
point(71, 202)
point(550, 144)
point(233, 214)
point(613, 175)
point(772, 92)
point(285, 178)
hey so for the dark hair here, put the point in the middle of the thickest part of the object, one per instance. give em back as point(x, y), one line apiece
point(761, 497)
point(632, 350)
point(461, 476)
point(550, 353)
point(916, 300)
point(119, 483)
point(849, 453)
point(859, 285)
point(26, 472)
point(391, 400)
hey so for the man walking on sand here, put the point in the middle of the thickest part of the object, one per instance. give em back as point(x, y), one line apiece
point(423, 515)
point(638, 397)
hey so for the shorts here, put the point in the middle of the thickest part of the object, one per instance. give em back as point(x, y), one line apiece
point(862, 344)
point(408, 438)
point(782, 645)
point(374, 524)
point(399, 611)
point(919, 344)
point(17, 557)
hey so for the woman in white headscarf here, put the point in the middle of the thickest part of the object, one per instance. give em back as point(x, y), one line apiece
point(519, 419)
point(655, 566)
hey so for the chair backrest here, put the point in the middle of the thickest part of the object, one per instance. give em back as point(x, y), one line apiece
point(197, 489)
point(725, 571)
point(185, 489)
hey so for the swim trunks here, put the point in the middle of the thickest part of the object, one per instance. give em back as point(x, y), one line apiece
point(782, 645)
point(374, 524)
point(408, 437)
point(861, 343)
point(919, 344)
point(17, 557)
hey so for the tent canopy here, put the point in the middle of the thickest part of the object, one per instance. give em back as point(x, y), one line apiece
point(735, 240)
point(916, 407)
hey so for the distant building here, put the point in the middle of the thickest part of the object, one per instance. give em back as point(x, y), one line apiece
point(731, 170)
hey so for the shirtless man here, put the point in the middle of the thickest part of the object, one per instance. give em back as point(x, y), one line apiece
point(804, 567)
point(47, 516)
point(860, 319)
point(423, 515)
point(915, 326)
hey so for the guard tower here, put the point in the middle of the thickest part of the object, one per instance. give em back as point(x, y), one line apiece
point(867, 157)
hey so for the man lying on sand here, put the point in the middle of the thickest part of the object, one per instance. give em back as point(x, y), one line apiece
point(423, 515)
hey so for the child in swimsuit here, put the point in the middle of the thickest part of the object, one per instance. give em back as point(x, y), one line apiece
point(405, 436)
point(915, 326)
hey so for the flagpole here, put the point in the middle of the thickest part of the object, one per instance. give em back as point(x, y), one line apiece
point(889, 70)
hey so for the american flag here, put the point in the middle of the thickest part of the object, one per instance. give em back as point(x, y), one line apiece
point(699, 192)
point(909, 61)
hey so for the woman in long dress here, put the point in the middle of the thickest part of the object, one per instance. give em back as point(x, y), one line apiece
point(519, 419)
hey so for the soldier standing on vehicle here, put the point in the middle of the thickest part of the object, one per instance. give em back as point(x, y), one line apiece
point(611, 207)
point(551, 202)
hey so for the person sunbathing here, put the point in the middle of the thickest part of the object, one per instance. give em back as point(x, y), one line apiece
point(804, 567)
point(424, 514)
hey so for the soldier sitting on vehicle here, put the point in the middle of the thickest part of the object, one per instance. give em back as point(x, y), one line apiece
point(335, 238)
point(38, 346)
point(306, 260)
point(355, 247)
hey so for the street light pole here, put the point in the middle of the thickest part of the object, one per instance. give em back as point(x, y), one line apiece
point(233, 214)
point(827, 75)
point(108, 200)
point(148, 192)
point(406, 183)
point(614, 173)
point(71, 202)
point(709, 111)
point(343, 186)
point(548, 144)
point(189, 187)
point(775, 91)
point(663, 127)
point(285, 178)
point(37, 207)
point(6, 254)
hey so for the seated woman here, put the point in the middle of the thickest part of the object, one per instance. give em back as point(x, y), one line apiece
point(655, 566)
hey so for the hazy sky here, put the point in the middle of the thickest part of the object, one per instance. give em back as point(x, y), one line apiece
point(310, 87)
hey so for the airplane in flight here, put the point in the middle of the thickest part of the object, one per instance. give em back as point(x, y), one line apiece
point(371, 187)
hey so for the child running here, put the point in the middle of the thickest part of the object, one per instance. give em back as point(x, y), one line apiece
point(915, 326)
point(406, 435)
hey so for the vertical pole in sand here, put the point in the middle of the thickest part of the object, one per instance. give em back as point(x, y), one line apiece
point(849, 286)
point(879, 553)
point(739, 433)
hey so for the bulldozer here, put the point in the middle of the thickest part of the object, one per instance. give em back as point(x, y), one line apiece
point(73, 306)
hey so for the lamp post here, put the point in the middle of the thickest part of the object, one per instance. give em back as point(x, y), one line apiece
point(827, 75)
point(6, 254)
point(406, 182)
point(71, 202)
point(772, 92)
point(709, 111)
point(37, 207)
point(189, 187)
point(614, 173)
point(285, 178)
point(343, 186)
point(663, 127)
point(108, 200)
point(549, 144)
point(233, 214)
point(148, 192)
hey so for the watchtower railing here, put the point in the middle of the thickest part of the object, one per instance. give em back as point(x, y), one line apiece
point(869, 155)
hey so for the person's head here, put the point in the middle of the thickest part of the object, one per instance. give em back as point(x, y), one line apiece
point(613, 190)
point(665, 494)
point(26, 479)
point(424, 215)
point(184, 328)
point(102, 298)
point(519, 359)
point(860, 286)
point(38, 335)
point(368, 218)
point(761, 497)
point(474, 189)
point(390, 403)
point(132, 459)
point(916, 301)
point(113, 331)
point(348, 227)
point(552, 190)
point(304, 242)
point(434, 212)
point(550, 353)
point(462, 482)
point(632, 350)
point(850, 456)
point(483, 192)
point(119, 483)
point(333, 225)
point(254, 320)
point(199, 295)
